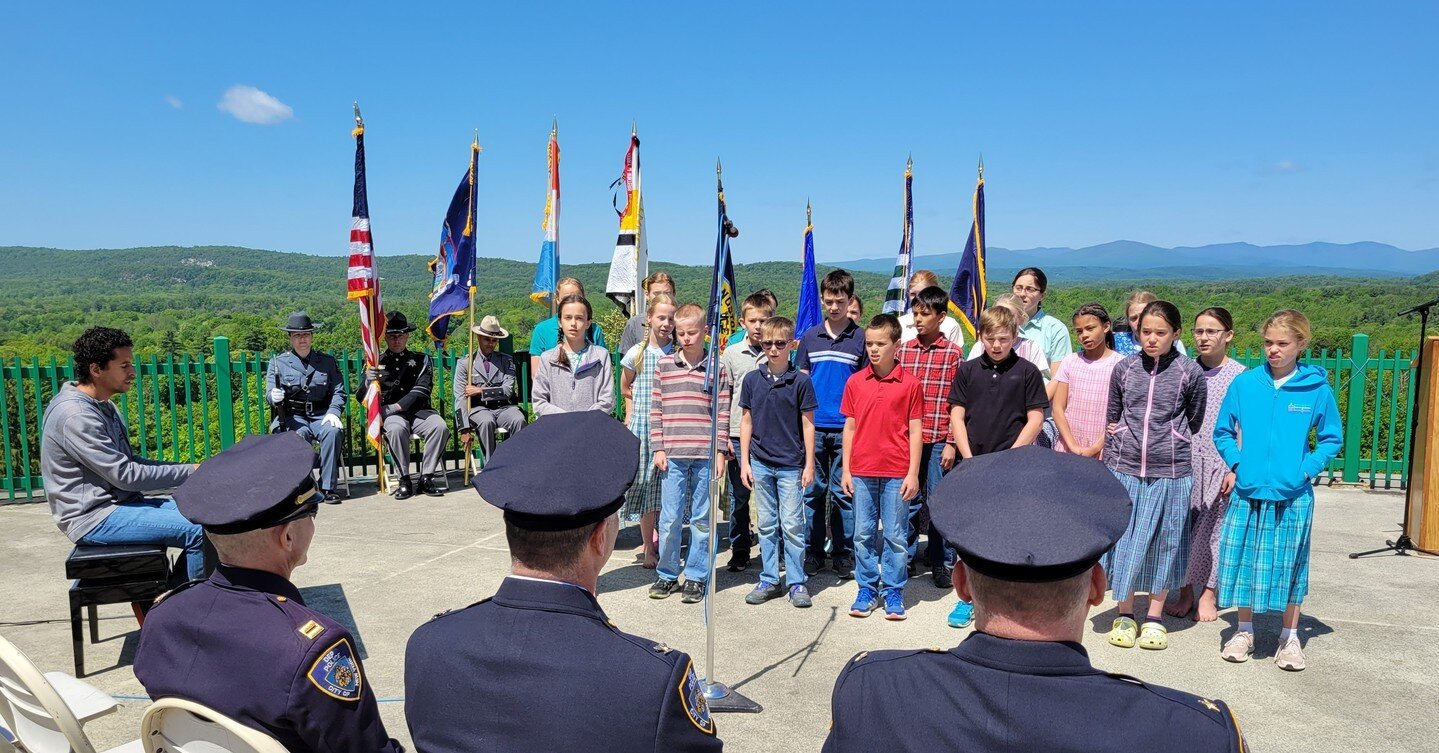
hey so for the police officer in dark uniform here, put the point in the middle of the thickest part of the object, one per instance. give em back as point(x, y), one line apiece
point(1030, 525)
point(242, 642)
point(406, 382)
point(308, 394)
point(538, 666)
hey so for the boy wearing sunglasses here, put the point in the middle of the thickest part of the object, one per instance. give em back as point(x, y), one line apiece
point(776, 451)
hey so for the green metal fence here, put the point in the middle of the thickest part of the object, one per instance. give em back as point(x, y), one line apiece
point(186, 408)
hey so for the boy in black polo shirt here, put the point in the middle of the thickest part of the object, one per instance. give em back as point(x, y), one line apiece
point(997, 401)
point(776, 460)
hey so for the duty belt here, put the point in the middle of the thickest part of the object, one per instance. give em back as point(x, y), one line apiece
point(303, 408)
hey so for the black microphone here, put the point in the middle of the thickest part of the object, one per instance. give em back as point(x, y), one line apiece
point(1419, 308)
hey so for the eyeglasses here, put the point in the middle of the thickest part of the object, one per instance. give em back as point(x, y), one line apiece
point(772, 344)
point(1027, 289)
point(1209, 332)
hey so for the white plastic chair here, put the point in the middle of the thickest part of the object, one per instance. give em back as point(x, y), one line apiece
point(175, 725)
point(47, 712)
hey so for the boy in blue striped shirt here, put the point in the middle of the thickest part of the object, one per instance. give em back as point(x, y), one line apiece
point(829, 353)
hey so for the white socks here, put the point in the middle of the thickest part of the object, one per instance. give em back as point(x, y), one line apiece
point(1246, 627)
point(1286, 633)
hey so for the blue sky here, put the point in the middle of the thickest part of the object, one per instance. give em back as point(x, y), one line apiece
point(1168, 124)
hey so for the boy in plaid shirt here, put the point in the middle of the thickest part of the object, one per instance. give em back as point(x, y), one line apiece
point(933, 359)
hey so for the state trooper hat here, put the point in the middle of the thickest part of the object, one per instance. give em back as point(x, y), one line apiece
point(262, 481)
point(1030, 514)
point(564, 471)
point(299, 321)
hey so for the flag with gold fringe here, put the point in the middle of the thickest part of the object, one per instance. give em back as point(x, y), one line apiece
point(547, 271)
point(363, 283)
point(454, 264)
point(967, 296)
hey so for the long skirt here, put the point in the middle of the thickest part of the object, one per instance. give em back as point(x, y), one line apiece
point(1207, 508)
point(643, 495)
point(1151, 555)
point(1264, 553)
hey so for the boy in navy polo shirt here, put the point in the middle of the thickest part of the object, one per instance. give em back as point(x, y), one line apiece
point(829, 353)
point(997, 402)
point(883, 434)
point(776, 450)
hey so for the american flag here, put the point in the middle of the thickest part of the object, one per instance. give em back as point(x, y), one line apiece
point(364, 283)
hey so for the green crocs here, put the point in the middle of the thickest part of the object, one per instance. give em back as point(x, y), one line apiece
point(1123, 633)
point(1153, 636)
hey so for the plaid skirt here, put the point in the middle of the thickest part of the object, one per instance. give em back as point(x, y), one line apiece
point(1207, 508)
point(1264, 553)
point(1152, 554)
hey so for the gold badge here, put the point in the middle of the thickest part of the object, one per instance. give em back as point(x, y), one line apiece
point(1208, 704)
point(311, 630)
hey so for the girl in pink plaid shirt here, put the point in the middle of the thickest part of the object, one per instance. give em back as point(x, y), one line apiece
point(1081, 385)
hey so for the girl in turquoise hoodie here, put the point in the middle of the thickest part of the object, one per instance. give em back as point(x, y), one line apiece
point(1262, 434)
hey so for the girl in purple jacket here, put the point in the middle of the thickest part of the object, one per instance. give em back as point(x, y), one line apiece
point(1156, 404)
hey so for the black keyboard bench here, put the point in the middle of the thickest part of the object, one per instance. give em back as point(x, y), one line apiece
point(111, 575)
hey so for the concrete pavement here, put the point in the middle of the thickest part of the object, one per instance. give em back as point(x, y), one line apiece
point(1371, 628)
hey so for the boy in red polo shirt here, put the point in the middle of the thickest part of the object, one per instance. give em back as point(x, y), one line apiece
point(883, 406)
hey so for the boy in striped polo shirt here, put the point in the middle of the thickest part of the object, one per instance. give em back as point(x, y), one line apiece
point(680, 440)
point(829, 353)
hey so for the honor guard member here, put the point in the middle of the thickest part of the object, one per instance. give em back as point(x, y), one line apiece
point(308, 394)
point(1030, 526)
point(243, 642)
point(539, 666)
point(486, 397)
point(406, 381)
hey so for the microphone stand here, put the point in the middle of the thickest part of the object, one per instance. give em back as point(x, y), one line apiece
point(1404, 545)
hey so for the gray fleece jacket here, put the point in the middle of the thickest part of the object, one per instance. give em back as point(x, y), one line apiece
point(88, 464)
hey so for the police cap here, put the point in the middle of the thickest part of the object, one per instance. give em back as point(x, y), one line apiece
point(1030, 514)
point(262, 481)
point(564, 471)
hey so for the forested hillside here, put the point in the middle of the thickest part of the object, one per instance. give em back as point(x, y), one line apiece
point(177, 299)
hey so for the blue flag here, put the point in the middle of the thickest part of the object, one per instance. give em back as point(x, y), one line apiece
point(809, 314)
point(454, 264)
point(723, 313)
point(967, 297)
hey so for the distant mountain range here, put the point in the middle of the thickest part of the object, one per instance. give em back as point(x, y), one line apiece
point(1133, 260)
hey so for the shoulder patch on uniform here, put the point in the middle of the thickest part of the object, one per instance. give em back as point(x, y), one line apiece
point(311, 630)
point(336, 673)
point(692, 699)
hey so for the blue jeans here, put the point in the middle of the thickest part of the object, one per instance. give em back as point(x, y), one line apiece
point(936, 550)
point(777, 505)
point(153, 521)
point(876, 503)
point(685, 484)
point(740, 540)
point(828, 470)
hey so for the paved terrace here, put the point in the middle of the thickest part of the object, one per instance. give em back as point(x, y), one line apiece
point(384, 567)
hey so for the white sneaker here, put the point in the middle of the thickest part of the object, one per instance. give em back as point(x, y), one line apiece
point(1291, 656)
point(1239, 648)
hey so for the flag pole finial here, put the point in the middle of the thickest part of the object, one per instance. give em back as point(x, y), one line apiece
point(981, 164)
point(554, 125)
point(808, 212)
point(359, 122)
point(634, 128)
point(718, 168)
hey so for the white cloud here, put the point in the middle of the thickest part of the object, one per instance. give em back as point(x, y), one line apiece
point(174, 102)
point(1287, 166)
point(250, 105)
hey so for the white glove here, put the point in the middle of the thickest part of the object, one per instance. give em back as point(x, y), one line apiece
point(331, 419)
point(277, 395)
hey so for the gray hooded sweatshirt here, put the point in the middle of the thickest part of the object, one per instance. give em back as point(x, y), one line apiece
point(88, 464)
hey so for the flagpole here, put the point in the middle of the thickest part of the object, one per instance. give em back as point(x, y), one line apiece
point(554, 167)
point(719, 696)
point(470, 399)
point(381, 478)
